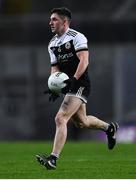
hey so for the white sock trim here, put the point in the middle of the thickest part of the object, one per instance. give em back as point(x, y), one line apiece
point(56, 155)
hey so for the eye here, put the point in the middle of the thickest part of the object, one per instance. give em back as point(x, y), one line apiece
point(54, 19)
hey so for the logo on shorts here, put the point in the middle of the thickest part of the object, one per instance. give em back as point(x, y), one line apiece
point(80, 91)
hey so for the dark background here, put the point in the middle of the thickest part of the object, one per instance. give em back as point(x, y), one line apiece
point(109, 25)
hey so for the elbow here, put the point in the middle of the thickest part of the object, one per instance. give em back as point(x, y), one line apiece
point(86, 64)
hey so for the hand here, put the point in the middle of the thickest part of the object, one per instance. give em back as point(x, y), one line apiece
point(71, 85)
point(52, 96)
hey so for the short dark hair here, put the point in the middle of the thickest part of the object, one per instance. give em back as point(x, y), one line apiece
point(62, 11)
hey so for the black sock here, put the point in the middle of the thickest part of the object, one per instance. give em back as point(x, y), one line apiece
point(53, 157)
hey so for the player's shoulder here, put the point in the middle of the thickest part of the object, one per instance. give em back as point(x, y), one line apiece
point(75, 34)
point(72, 32)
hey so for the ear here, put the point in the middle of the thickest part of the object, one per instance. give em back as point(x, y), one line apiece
point(65, 20)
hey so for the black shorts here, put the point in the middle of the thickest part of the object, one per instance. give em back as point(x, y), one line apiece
point(82, 91)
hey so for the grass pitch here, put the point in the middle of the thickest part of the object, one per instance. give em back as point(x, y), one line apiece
point(80, 160)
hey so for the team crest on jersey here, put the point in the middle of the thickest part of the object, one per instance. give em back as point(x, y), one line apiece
point(67, 45)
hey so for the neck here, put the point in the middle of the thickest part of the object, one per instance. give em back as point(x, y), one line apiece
point(62, 31)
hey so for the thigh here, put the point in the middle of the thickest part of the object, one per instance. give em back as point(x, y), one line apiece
point(80, 116)
point(70, 106)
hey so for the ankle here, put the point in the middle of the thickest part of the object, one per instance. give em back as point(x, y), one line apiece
point(54, 156)
point(107, 128)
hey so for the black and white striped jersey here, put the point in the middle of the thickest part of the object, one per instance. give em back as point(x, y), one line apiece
point(62, 51)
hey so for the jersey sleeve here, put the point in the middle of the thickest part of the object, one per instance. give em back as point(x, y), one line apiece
point(80, 42)
point(53, 58)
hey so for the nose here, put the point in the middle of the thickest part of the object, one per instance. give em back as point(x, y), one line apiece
point(50, 23)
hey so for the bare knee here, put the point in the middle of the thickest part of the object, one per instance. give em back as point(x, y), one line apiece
point(60, 119)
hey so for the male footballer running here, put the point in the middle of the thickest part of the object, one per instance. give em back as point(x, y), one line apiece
point(68, 51)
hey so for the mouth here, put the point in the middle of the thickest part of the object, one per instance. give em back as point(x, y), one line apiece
point(52, 28)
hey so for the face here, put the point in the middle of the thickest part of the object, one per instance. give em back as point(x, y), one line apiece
point(57, 23)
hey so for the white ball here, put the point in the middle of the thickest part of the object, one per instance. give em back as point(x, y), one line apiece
point(56, 81)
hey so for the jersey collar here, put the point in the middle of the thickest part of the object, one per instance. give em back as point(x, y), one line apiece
point(63, 35)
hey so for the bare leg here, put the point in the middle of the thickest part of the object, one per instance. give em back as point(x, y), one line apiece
point(72, 107)
point(82, 120)
point(69, 106)
point(95, 123)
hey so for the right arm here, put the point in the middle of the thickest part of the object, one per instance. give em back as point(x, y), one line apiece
point(53, 60)
point(54, 69)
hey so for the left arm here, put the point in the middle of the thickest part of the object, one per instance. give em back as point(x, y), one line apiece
point(84, 61)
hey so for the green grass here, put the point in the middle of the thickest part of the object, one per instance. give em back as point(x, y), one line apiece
point(85, 160)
